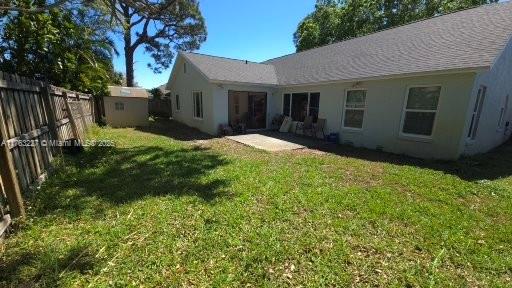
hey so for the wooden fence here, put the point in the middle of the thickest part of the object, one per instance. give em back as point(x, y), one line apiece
point(160, 107)
point(33, 119)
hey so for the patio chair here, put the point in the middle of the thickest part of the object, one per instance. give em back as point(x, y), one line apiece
point(319, 126)
point(304, 126)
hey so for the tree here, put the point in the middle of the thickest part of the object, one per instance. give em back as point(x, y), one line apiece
point(63, 46)
point(337, 20)
point(160, 27)
point(157, 93)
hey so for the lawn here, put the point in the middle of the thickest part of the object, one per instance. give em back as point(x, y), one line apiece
point(160, 209)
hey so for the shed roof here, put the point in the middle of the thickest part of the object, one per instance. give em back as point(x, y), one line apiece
point(134, 92)
point(468, 39)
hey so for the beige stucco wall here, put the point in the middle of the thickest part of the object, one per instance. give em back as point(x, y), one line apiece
point(135, 112)
point(384, 101)
point(499, 84)
point(184, 84)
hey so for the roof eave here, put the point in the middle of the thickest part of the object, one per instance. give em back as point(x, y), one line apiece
point(395, 76)
point(226, 82)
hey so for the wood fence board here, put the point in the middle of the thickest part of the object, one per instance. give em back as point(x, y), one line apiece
point(40, 113)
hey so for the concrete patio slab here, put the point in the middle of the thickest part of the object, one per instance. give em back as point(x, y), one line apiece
point(265, 143)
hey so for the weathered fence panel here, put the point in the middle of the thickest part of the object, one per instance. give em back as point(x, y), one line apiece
point(160, 107)
point(33, 118)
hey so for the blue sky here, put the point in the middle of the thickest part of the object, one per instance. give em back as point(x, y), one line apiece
point(252, 30)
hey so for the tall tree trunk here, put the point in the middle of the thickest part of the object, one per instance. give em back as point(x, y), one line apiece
point(128, 55)
point(128, 51)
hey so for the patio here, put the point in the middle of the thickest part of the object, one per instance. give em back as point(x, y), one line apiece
point(266, 143)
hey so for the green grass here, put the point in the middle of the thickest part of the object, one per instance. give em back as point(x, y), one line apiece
point(158, 211)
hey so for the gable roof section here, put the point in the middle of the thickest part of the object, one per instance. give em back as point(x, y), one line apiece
point(467, 40)
point(218, 69)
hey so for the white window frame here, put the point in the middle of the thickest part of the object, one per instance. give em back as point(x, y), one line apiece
point(405, 110)
point(503, 114)
point(476, 113)
point(177, 100)
point(309, 102)
point(119, 104)
point(200, 105)
point(357, 109)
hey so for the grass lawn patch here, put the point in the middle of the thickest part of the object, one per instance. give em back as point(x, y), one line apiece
point(171, 207)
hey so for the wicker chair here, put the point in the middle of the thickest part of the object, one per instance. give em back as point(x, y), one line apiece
point(304, 126)
point(319, 126)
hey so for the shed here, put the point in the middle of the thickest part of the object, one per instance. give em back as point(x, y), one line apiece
point(126, 107)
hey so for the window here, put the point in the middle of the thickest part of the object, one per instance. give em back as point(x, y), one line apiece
point(237, 104)
point(119, 106)
point(420, 110)
point(314, 105)
point(477, 111)
point(300, 105)
point(198, 104)
point(355, 105)
point(286, 104)
point(503, 114)
point(178, 105)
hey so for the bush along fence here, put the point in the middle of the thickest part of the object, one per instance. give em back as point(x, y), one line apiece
point(35, 119)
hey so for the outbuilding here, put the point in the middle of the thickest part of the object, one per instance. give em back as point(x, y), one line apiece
point(126, 107)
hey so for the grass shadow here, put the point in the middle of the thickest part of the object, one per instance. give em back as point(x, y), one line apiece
point(121, 175)
point(489, 166)
point(47, 268)
point(174, 130)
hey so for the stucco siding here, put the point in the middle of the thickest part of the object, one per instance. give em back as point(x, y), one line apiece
point(498, 81)
point(384, 105)
point(184, 84)
point(135, 111)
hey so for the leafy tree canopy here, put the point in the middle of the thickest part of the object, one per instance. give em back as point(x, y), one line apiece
point(337, 20)
point(70, 48)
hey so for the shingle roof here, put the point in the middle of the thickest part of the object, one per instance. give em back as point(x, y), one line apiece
point(231, 70)
point(468, 39)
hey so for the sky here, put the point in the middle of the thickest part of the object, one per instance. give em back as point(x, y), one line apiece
point(249, 30)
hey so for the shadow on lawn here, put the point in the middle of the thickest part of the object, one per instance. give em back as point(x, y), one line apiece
point(117, 176)
point(174, 130)
point(490, 166)
point(47, 267)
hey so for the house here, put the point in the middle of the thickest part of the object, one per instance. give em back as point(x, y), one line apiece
point(126, 107)
point(437, 88)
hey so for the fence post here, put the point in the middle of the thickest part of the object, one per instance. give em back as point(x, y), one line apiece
point(93, 109)
point(50, 114)
point(70, 116)
point(8, 173)
point(82, 115)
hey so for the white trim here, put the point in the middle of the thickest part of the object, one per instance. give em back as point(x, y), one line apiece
point(344, 109)
point(395, 76)
point(474, 119)
point(177, 102)
point(503, 114)
point(200, 106)
point(419, 137)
